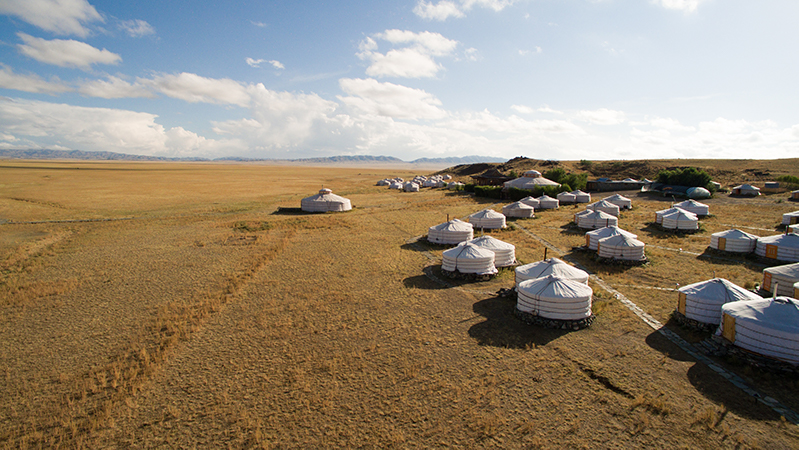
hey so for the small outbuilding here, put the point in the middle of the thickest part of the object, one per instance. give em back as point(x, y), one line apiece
point(531, 201)
point(621, 247)
point(734, 241)
point(592, 238)
point(782, 247)
point(780, 278)
point(794, 195)
point(518, 209)
point(702, 301)
point(746, 189)
point(453, 232)
point(767, 327)
point(325, 201)
point(550, 266)
point(555, 298)
point(487, 218)
point(469, 259)
point(693, 206)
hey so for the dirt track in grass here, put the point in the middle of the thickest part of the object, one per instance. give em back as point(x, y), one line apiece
point(209, 320)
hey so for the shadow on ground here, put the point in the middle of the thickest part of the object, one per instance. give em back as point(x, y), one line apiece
point(503, 329)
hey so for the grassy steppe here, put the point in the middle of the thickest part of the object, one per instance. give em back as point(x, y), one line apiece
point(204, 318)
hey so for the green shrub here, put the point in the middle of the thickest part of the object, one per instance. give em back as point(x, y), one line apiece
point(469, 187)
point(791, 182)
point(576, 181)
point(488, 191)
point(688, 176)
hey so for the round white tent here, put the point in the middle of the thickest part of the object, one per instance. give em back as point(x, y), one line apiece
point(659, 214)
point(596, 219)
point(693, 206)
point(702, 301)
point(566, 197)
point(621, 201)
point(504, 253)
point(698, 192)
point(735, 241)
point(453, 232)
point(782, 247)
point(581, 197)
point(530, 180)
point(547, 202)
point(745, 189)
point(487, 218)
point(411, 187)
point(680, 220)
point(592, 238)
point(531, 201)
point(384, 182)
point(768, 327)
point(781, 277)
point(455, 185)
point(605, 206)
point(518, 209)
point(469, 258)
point(621, 247)
point(790, 218)
point(556, 298)
point(395, 185)
point(325, 201)
point(551, 266)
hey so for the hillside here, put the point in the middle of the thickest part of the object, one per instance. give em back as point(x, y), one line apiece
point(728, 172)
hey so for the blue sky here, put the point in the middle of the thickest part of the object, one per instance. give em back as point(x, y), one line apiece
point(549, 79)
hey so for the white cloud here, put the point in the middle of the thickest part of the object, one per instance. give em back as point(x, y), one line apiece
point(258, 24)
point(277, 64)
point(602, 116)
point(415, 60)
point(136, 28)
point(535, 50)
point(521, 109)
point(30, 83)
point(686, 6)
point(390, 100)
point(257, 63)
point(65, 53)
point(114, 87)
point(445, 9)
point(102, 129)
point(194, 88)
point(64, 17)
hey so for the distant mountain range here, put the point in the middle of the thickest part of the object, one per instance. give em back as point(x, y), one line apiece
point(111, 156)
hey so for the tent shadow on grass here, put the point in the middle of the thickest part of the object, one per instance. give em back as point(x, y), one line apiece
point(661, 343)
point(422, 282)
point(503, 329)
point(732, 259)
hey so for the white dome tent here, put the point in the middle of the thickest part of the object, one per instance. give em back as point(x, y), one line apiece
point(768, 327)
point(551, 266)
point(531, 201)
point(659, 214)
point(453, 232)
point(455, 185)
point(487, 218)
point(621, 247)
point(469, 258)
point(746, 189)
point(566, 197)
point(782, 247)
point(693, 206)
point(581, 197)
point(396, 185)
point(781, 278)
point(410, 186)
point(504, 253)
point(547, 202)
point(325, 201)
point(596, 219)
point(605, 206)
point(702, 301)
point(621, 201)
point(518, 209)
point(531, 180)
point(555, 298)
point(384, 182)
point(734, 241)
point(680, 220)
point(592, 238)
point(790, 218)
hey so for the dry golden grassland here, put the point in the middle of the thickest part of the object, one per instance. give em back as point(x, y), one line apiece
point(205, 318)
